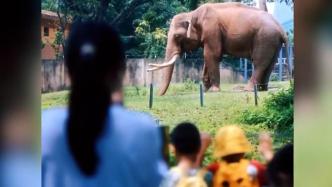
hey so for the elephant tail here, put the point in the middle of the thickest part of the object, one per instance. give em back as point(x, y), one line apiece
point(285, 41)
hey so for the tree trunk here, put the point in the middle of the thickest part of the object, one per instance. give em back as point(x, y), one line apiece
point(262, 5)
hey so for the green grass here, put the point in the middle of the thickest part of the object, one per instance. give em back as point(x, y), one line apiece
point(181, 103)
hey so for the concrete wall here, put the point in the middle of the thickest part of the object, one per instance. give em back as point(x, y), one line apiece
point(54, 75)
point(191, 69)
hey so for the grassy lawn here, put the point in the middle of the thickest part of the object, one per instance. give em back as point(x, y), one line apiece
point(181, 103)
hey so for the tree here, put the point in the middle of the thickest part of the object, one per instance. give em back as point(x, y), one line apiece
point(116, 12)
point(151, 29)
point(130, 18)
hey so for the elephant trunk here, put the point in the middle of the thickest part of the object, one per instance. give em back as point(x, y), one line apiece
point(173, 51)
point(172, 55)
point(167, 72)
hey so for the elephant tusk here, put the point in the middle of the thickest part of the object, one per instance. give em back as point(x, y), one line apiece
point(153, 69)
point(160, 66)
point(156, 65)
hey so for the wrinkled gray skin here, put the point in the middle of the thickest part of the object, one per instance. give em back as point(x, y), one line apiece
point(225, 28)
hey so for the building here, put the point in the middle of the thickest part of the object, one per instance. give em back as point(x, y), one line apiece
point(50, 25)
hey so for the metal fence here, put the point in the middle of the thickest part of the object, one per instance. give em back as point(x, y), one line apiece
point(54, 74)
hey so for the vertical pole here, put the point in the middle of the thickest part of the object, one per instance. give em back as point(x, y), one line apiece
point(241, 64)
point(256, 95)
point(280, 65)
point(201, 94)
point(164, 130)
point(151, 96)
point(290, 62)
point(245, 70)
point(292, 56)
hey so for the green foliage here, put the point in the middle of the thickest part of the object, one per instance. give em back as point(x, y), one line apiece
point(151, 29)
point(152, 43)
point(291, 36)
point(143, 26)
point(190, 85)
point(274, 77)
point(58, 38)
point(187, 87)
point(55, 99)
point(57, 44)
point(231, 61)
point(135, 91)
point(50, 5)
point(276, 113)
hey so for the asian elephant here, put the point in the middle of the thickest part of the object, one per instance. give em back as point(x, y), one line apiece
point(224, 28)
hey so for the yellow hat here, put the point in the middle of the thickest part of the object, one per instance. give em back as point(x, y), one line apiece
point(230, 140)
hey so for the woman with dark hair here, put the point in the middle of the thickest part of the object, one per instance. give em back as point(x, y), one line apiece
point(95, 142)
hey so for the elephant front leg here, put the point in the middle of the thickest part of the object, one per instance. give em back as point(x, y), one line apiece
point(211, 77)
point(205, 78)
point(256, 78)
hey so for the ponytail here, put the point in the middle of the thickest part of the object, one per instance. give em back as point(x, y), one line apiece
point(95, 62)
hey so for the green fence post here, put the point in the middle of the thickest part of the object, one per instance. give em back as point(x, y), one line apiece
point(151, 96)
point(256, 96)
point(201, 94)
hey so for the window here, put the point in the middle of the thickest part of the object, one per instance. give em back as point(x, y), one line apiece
point(46, 31)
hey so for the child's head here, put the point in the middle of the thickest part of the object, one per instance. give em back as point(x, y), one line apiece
point(231, 143)
point(280, 169)
point(186, 140)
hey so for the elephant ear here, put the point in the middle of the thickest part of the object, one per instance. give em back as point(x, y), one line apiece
point(191, 31)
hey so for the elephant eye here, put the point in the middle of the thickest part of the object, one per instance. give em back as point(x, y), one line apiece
point(185, 24)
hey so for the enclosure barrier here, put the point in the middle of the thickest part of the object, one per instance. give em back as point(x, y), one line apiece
point(201, 94)
point(256, 95)
point(151, 96)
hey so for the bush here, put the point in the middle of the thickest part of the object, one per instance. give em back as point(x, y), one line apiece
point(135, 91)
point(276, 113)
point(274, 77)
point(190, 85)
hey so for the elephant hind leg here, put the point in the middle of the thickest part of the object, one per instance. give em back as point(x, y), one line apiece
point(267, 72)
point(264, 59)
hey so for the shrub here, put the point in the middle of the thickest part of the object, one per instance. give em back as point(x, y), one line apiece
point(274, 77)
point(135, 91)
point(190, 85)
point(276, 113)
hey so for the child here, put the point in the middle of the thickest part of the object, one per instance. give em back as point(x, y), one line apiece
point(186, 140)
point(233, 170)
point(280, 169)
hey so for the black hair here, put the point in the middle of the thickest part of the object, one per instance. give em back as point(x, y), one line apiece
point(282, 163)
point(95, 62)
point(186, 138)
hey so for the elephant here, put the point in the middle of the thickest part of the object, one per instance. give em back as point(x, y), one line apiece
point(224, 28)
